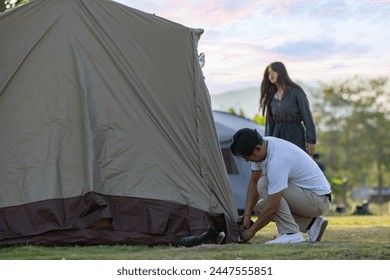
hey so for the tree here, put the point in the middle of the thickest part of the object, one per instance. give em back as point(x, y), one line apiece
point(354, 120)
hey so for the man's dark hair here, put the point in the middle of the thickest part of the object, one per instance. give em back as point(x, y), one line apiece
point(245, 141)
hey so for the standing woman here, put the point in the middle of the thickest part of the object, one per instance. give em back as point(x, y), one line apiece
point(288, 114)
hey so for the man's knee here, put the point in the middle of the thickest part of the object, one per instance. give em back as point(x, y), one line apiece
point(262, 185)
point(262, 189)
point(259, 206)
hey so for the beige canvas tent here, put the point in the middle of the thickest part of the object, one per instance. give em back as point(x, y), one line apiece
point(107, 133)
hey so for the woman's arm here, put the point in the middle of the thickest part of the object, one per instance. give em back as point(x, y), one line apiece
point(307, 118)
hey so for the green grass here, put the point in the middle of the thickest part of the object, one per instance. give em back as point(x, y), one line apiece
point(346, 238)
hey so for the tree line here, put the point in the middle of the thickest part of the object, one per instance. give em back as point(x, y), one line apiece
point(353, 122)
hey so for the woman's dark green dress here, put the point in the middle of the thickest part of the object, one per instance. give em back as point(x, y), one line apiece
point(291, 119)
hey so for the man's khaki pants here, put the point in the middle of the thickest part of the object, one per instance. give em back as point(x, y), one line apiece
point(297, 206)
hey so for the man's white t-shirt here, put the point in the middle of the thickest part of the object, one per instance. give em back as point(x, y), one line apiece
point(287, 163)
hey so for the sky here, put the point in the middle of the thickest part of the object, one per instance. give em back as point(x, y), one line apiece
point(318, 41)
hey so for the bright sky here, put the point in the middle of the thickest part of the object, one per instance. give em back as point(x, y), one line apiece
point(322, 40)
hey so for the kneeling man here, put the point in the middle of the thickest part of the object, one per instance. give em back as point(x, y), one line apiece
point(286, 186)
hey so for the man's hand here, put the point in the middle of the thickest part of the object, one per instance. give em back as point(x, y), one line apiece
point(247, 235)
point(310, 148)
point(246, 222)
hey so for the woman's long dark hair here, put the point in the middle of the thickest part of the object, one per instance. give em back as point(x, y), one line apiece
point(267, 89)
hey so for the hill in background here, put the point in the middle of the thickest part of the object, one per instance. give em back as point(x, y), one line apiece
point(246, 99)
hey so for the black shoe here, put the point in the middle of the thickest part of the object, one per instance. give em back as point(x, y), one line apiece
point(208, 237)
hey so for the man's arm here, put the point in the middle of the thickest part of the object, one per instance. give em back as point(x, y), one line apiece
point(267, 215)
point(252, 196)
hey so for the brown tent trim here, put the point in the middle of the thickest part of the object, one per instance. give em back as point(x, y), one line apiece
point(104, 219)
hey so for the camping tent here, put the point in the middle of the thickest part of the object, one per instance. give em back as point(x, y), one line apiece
point(239, 171)
point(107, 133)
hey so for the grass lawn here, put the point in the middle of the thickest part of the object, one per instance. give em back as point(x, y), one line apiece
point(346, 238)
